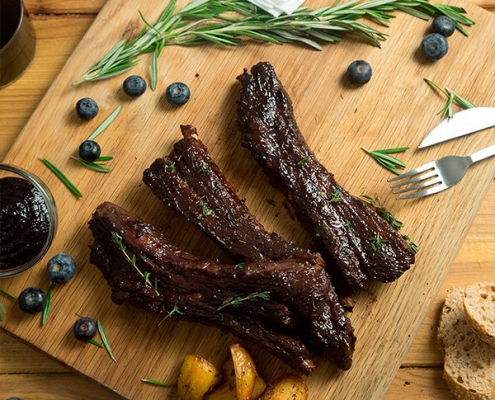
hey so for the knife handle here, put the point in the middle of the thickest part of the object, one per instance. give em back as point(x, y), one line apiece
point(482, 154)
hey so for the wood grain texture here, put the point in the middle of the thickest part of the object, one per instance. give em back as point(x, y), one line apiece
point(468, 259)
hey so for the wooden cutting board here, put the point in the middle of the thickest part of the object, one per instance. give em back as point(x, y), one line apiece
point(396, 108)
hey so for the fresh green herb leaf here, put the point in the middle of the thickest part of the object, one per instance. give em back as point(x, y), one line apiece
point(231, 22)
point(237, 301)
point(62, 177)
point(3, 310)
point(336, 197)
point(105, 341)
point(301, 163)
point(47, 305)
point(203, 171)
point(239, 266)
point(96, 165)
point(106, 123)
point(347, 224)
point(384, 158)
point(452, 97)
point(170, 166)
point(376, 242)
point(205, 210)
point(157, 383)
point(7, 294)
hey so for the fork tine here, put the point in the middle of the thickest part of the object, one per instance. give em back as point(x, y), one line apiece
point(419, 186)
point(424, 193)
point(413, 172)
point(420, 178)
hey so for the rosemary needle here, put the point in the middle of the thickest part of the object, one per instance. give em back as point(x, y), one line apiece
point(96, 165)
point(452, 98)
point(62, 177)
point(387, 161)
point(157, 383)
point(105, 341)
point(106, 123)
point(46, 310)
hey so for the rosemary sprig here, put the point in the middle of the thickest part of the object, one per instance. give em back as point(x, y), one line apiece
point(105, 341)
point(97, 165)
point(62, 177)
point(231, 22)
point(132, 260)
point(452, 97)
point(157, 383)
point(48, 302)
point(106, 123)
point(387, 161)
point(237, 301)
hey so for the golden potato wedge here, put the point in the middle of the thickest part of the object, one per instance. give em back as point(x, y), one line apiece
point(228, 372)
point(197, 376)
point(245, 371)
point(287, 387)
point(224, 392)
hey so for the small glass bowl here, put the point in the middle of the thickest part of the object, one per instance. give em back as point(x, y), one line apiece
point(7, 171)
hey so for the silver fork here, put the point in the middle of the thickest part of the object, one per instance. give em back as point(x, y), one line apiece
point(437, 175)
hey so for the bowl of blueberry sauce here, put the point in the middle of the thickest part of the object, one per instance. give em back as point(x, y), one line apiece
point(28, 220)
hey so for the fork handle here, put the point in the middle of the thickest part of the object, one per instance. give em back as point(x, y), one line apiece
point(482, 154)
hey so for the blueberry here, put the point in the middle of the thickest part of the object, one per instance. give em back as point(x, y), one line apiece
point(61, 268)
point(434, 46)
point(84, 329)
point(32, 300)
point(89, 150)
point(359, 72)
point(443, 25)
point(134, 86)
point(178, 93)
point(87, 108)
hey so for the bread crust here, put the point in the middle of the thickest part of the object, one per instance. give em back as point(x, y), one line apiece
point(479, 306)
point(469, 366)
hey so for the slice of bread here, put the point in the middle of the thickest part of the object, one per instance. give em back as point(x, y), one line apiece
point(479, 306)
point(469, 365)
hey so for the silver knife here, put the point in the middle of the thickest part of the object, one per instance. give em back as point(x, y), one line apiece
point(462, 123)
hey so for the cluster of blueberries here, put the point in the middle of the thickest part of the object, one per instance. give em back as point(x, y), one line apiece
point(434, 46)
point(177, 94)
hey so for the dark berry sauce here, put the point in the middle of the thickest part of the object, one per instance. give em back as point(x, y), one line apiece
point(24, 222)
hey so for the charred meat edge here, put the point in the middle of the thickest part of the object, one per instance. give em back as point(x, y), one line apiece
point(299, 289)
point(344, 228)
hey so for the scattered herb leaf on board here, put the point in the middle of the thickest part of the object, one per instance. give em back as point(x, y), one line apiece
point(62, 177)
point(452, 97)
point(387, 161)
point(157, 383)
point(105, 341)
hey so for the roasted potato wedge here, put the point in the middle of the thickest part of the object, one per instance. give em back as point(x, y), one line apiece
point(288, 386)
point(224, 392)
point(196, 378)
point(245, 372)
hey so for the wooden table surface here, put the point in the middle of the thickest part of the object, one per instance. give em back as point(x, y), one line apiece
point(28, 374)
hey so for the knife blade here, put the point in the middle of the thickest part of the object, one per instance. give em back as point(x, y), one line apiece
point(461, 123)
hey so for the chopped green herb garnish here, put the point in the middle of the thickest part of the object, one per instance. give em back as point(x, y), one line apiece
point(237, 301)
point(95, 343)
point(105, 124)
point(336, 197)
point(239, 266)
point(62, 177)
point(376, 243)
point(205, 210)
point(301, 163)
point(414, 247)
point(203, 171)
point(387, 161)
point(452, 97)
point(3, 310)
point(394, 222)
point(7, 294)
point(105, 341)
point(170, 166)
point(347, 224)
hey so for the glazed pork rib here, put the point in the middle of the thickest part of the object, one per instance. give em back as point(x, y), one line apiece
point(356, 242)
point(297, 315)
point(190, 182)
